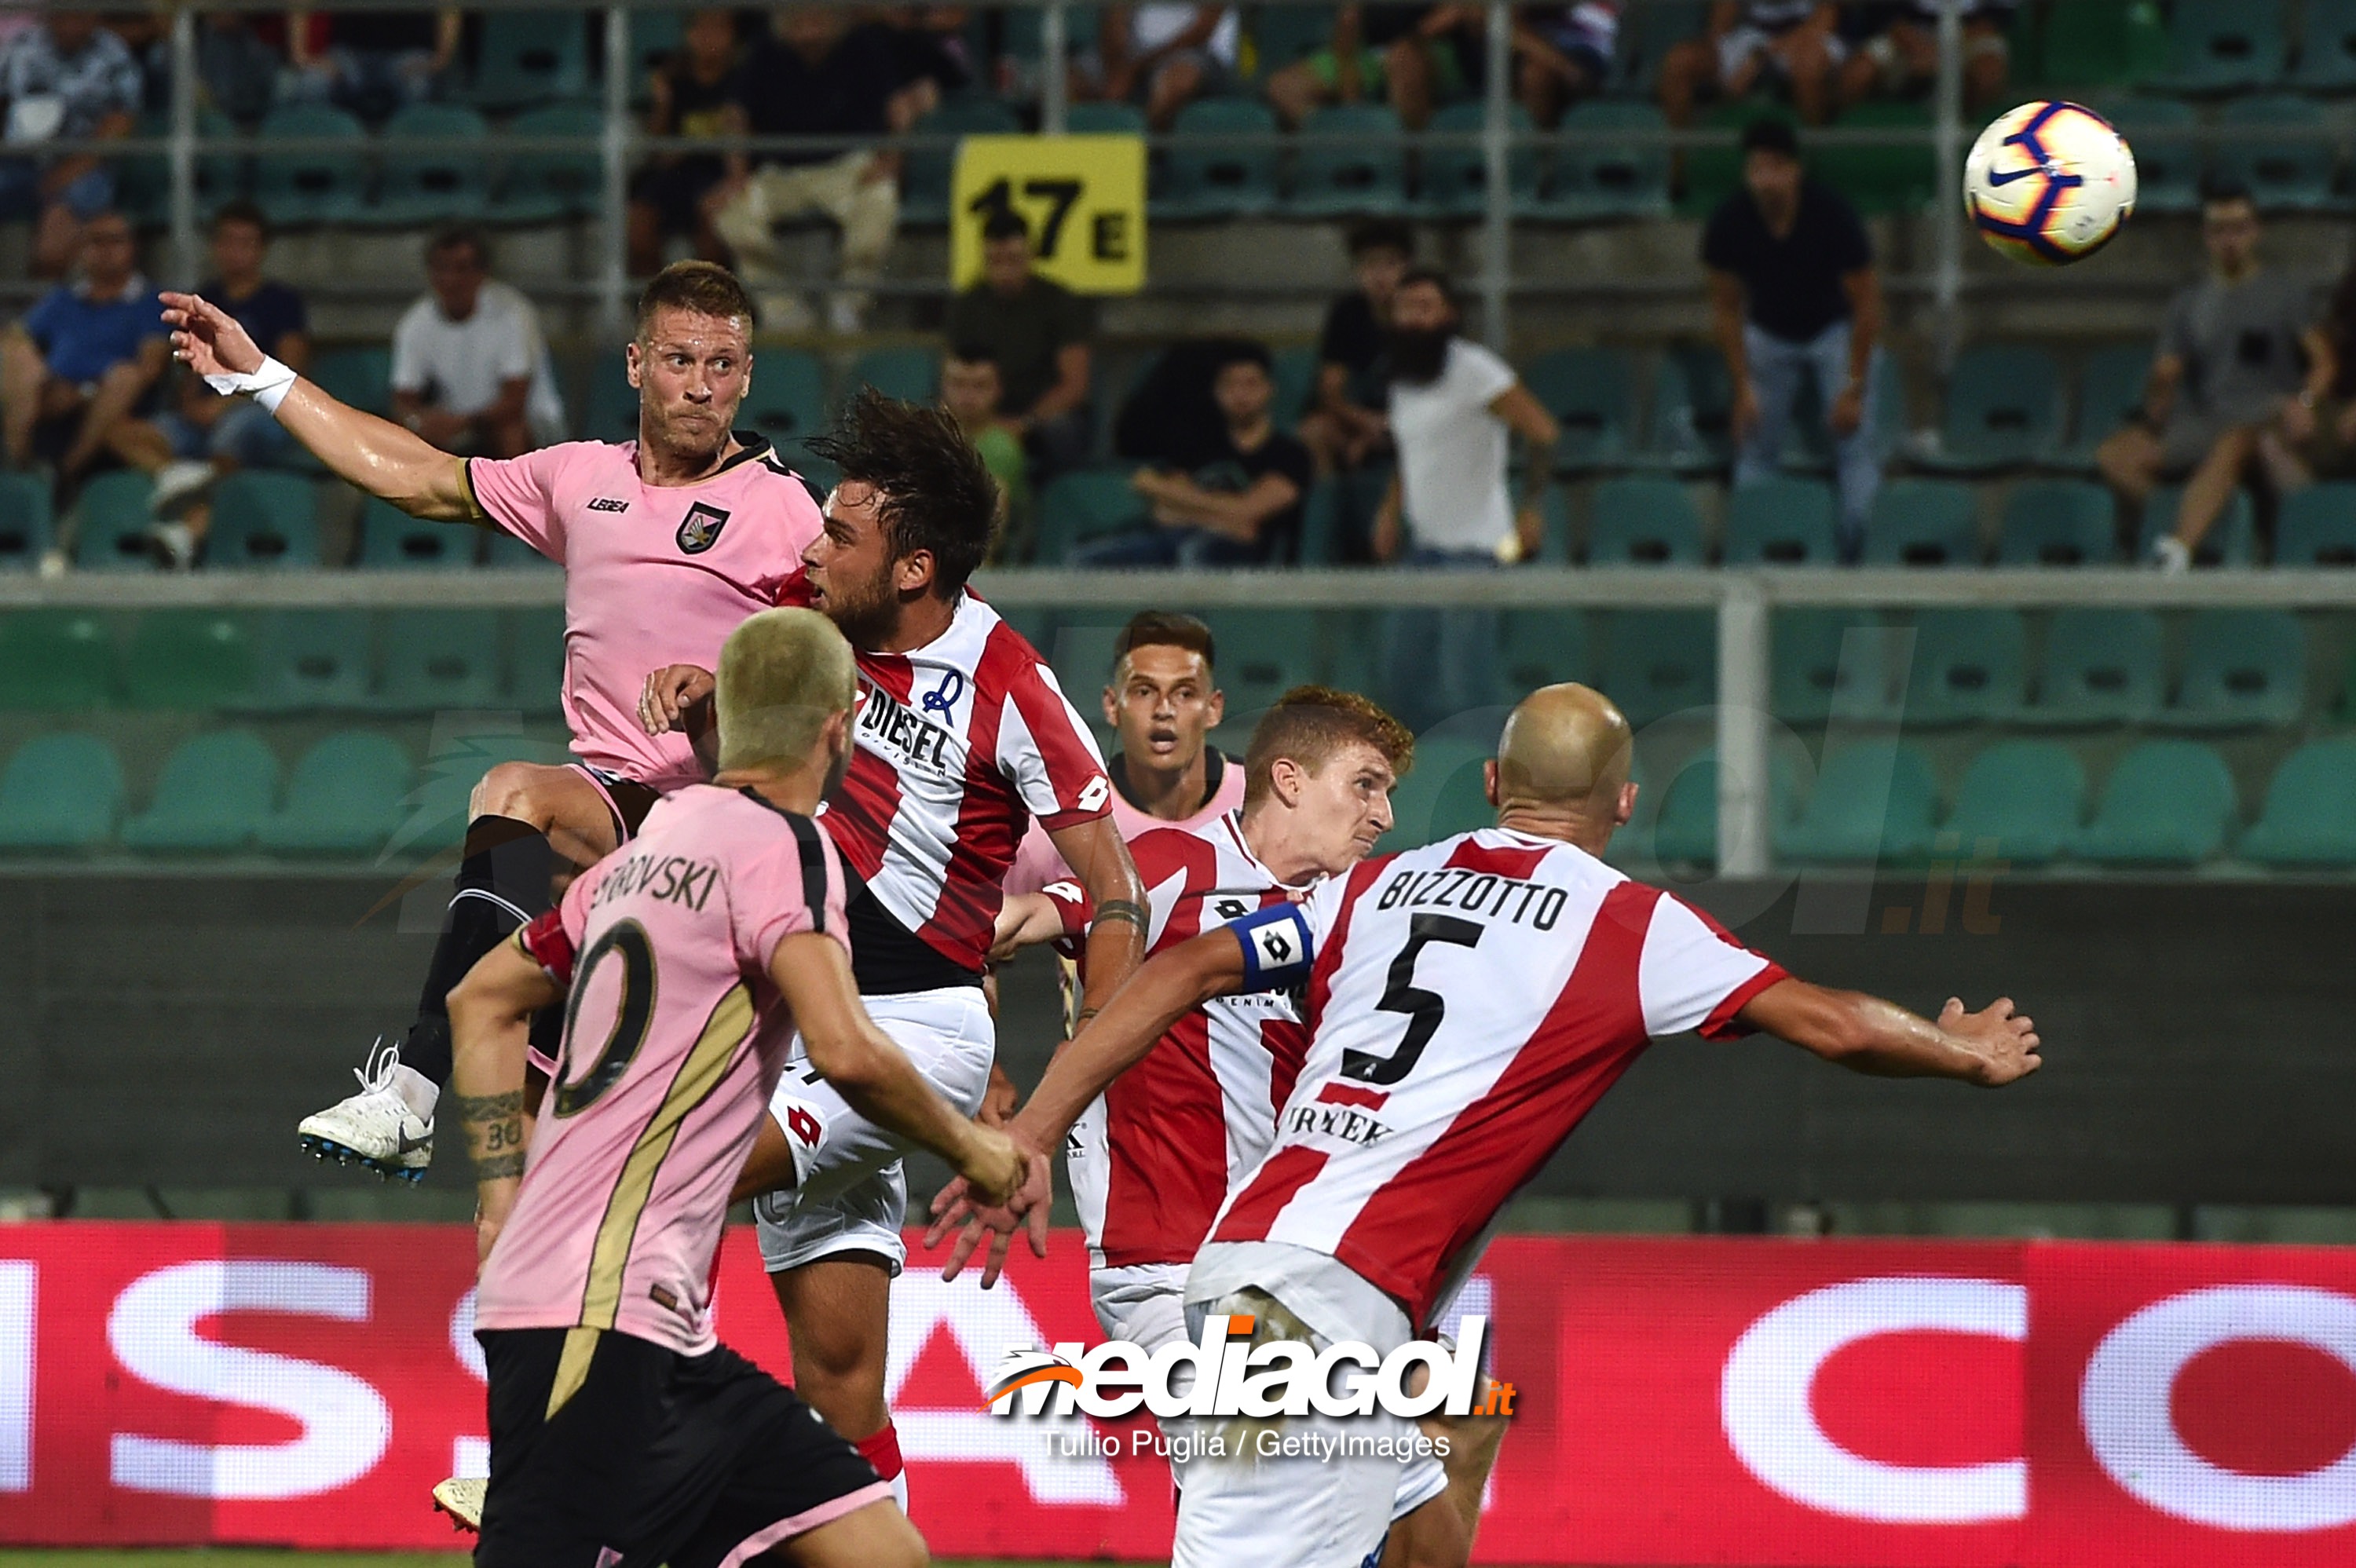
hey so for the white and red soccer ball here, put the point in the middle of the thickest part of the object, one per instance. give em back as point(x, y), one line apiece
point(2049, 183)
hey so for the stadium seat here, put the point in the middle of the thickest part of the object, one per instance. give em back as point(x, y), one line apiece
point(24, 522)
point(2223, 46)
point(655, 35)
point(1660, 663)
point(1262, 653)
point(508, 553)
point(186, 659)
point(2309, 817)
point(1685, 828)
point(2103, 45)
point(1295, 372)
point(2242, 667)
point(1284, 34)
point(59, 793)
point(2020, 801)
point(2317, 526)
point(360, 374)
point(1203, 180)
point(2166, 136)
point(437, 184)
point(1453, 177)
point(611, 409)
point(1541, 648)
point(1442, 795)
point(327, 185)
point(1599, 176)
point(1084, 505)
point(912, 373)
point(1924, 522)
point(1104, 120)
point(2290, 169)
point(55, 661)
point(925, 182)
point(311, 660)
point(265, 519)
point(1643, 522)
point(2327, 45)
point(1895, 176)
point(438, 659)
point(536, 659)
point(1693, 397)
point(212, 797)
point(1586, 390)
point(2232, 539)
point(344, 797)
point(113, 520)
point(393, 540)
point(787, 402)
point(1820, 672)
point(1351, 161)
point(2110, 391)
point(2168, 803)
point(543, 186)
point(1647, 32)
point(2003, 408)
point(522, 57)
point(1872, 802)
point(1971, 667)
point(2059, 522)
point(1780, 521)
point(2102, 666)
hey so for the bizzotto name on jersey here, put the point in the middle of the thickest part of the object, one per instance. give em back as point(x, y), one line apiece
point(1478, 893)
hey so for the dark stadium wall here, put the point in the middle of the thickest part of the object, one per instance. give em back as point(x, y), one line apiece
point(171, 1031)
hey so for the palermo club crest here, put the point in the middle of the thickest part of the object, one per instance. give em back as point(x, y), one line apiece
point(700, 530)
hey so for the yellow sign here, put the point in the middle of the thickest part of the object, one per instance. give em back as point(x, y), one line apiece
point(1084, 198)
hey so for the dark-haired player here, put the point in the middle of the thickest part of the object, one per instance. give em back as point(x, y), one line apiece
point(963, 737)
point(668, 544)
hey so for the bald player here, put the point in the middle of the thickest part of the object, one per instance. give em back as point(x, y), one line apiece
point(1468, 1004)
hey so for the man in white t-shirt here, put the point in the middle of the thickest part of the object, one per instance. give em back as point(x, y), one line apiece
point(1453, 405)
point(1167, 54)
point(470, 368)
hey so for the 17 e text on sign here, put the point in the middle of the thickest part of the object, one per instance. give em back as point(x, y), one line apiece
point(1084, 198)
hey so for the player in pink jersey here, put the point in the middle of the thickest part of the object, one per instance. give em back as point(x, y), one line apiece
point(962, 738)
point(668, 543)
point(622, 1432)
point(1468, 1003)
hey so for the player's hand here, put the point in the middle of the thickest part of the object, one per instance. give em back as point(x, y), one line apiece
point(670, 692)
point(953, 1206)
point(998, 1098)
point(2006, 1040)
point(207, 340)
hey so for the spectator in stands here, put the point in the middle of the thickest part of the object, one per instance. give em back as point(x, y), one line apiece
point(2317, 429)
point(1165, 55)
point(928, 42)
point(238, 66)
point(373, 62)
point(65, 77)
point(2237, 351)
point(692, 93)
point(1240, 502)
point(1896, 52)
point(970, 390)
point(816, 75)
point(1798, 41)
point(1345, 426)
point(148, 36)
point(1794, 294)
point(470, 368)
point(1037, 331)
point(1454, 404)
point(1406, 54)
point(1562, 54)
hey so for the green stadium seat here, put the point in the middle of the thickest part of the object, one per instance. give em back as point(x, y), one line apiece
point(912, 373)
point(1104, 120)
point(26, 526)
point(1296, 383)
point(438, 184)
point(1660, 663)
point(1873, 801)
point(1898, 176)
point(1203, 180)
point(2103, 45)
point(344, 798)
point(1588, 391)
point(787, 402)
point(1818, 671)
point(213, 795)
point(1780, 521)
point(543, 187)
point(439, 660)
point(1351, 161)
point(2102, 666)
point(183, 659)
point(2291, 170)
point(611, 407)
point(311, 660)
point(1971, 667)
point(1924, 522)
point(508, 553)
point(2020, 801)
point(1647, 32)
point(1283, 34)
point(1693, 397)
point(2317, 526)
point(2110, 391)
point(2232, 539)
point(59, 793)
point(1025, 37)
point(925, 182)
point(1685, 829)
point(1541, 648)
point(2059, 522)
point(1084, 505)
point(2167, 137)
point(1262, 653)
point(2168, 803)
point(2327, 45)
point(1453, 178)
point(654, 36)
point(393, 540)
point(522, 57)
point(536, 659)
point(144, 180)
point(2242, 667)
point(356, 374)
point(2003, 408)
point(1643, 522)
point(2221, 46)
point(1443, 794)
point(326, 186)
point(2309, 817)
point(1597, 175)
point(55, 661)
point(113, 523)
point(265, 519)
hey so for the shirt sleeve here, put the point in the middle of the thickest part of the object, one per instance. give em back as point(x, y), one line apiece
point(1693, 974)
point(1046, 749)
point(518, 495)
point(553, 940)
point(515, 347)
point(1486, 375)
point(792, 884)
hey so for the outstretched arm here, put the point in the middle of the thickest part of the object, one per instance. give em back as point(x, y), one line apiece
point(1990, 1048)
point(375, 454)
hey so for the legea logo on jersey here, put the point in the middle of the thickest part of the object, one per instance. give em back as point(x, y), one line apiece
point(1224, 1374)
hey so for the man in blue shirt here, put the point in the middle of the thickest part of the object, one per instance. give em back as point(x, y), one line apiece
point(83, 358)
point(65, 76)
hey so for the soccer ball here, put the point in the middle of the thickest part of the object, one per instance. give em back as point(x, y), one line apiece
point(2049, 183)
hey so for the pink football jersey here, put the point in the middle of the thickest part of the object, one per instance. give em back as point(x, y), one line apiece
point(654, 575)
point(674, 1040)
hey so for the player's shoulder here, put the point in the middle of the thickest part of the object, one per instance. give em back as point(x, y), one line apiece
point(1161, 853)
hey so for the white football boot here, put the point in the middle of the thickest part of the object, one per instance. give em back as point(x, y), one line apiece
point(462, 1499)
point(378, 1128)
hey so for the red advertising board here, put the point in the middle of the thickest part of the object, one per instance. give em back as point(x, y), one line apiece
point(1754, 1403)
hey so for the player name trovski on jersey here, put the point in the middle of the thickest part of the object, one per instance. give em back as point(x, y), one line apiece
point(672, 878)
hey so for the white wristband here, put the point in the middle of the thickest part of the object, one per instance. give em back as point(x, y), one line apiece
point(268, 385)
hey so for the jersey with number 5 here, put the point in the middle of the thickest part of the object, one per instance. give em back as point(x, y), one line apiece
point(1468, 1003)
point(674, 1038)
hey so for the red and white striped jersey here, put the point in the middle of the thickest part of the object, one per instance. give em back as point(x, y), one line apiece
point(958, 745)
point(1151, 1161)
point(1468, 1003)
